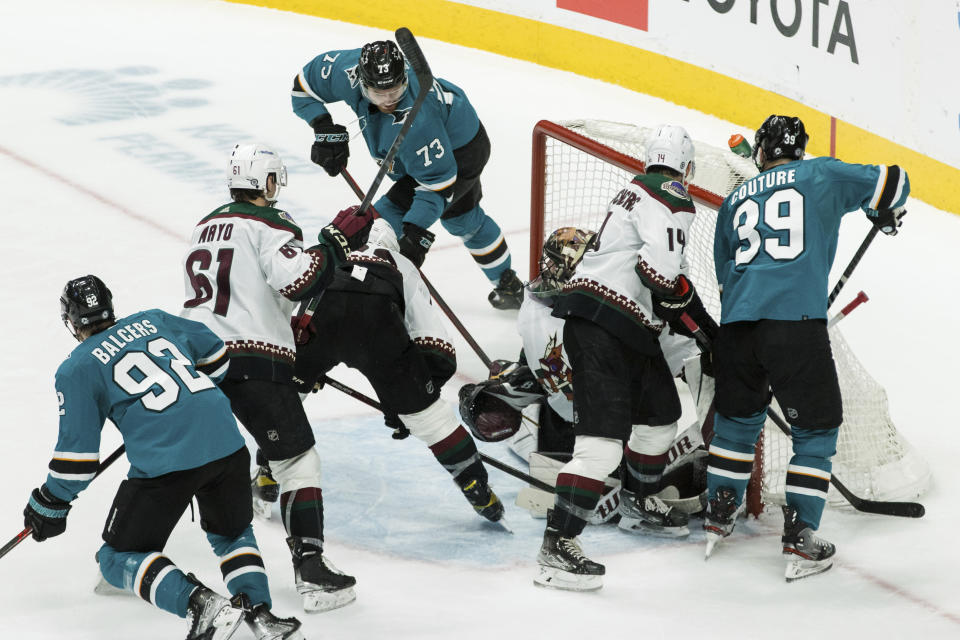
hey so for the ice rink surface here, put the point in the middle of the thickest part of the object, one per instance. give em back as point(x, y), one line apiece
point(117, 121)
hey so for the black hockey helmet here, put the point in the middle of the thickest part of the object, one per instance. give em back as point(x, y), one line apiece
point(84, 302)
point(382, 65)
point(780, 137)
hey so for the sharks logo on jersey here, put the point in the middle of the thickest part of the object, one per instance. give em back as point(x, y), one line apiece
point(400, 115)
point(353, 76)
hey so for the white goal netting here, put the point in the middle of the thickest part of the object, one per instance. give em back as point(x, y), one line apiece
point(574, 178)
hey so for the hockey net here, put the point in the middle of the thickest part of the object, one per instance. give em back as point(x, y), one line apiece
point(579, 165)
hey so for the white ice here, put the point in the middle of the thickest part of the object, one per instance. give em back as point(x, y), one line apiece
point(117, 119)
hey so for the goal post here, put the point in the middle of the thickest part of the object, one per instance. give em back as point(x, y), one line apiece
point(579, 165)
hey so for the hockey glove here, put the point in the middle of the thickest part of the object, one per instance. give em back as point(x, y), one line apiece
point(348, 231)
point(331, 146)
point(415, 242)
point(887, 220)
point(669, 306)
point(394, 422)
point(45, 514)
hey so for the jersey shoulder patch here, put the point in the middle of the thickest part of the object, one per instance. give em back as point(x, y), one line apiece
point(671, 193)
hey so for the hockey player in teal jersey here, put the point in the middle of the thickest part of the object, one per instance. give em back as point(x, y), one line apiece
point(154, 376)
point(437, 167)
point(775, 242)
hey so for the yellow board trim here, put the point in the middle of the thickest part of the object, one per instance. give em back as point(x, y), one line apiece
point(657, 75)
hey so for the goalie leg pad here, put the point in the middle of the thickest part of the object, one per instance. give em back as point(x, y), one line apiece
point(299, 472)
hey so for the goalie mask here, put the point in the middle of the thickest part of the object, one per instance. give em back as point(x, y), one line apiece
point(250, 164)
point(779, 137)
point(383, 73)
point(670, 146)
point(562, 252)
point(84, 302)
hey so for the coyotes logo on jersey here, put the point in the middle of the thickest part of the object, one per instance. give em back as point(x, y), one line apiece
point(555, 373)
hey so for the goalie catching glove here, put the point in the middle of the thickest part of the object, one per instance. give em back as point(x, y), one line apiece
point(888, 221)
point(331, 147)
point(348, 231)
point(491, 409)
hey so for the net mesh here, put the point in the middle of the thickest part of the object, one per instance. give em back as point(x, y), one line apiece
point(578, 179)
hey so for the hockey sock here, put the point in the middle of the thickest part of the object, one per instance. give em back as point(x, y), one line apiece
point(643, 472)
point(574, 503)
point(483, 239)
point(302, 512)
point(459, 456)
point(150, 575)
point(242, 566)
point(732, 452)
point(808, 475)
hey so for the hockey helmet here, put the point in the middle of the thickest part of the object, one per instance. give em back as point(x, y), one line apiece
point(779, 137)
point(84, 302)
point(670, 146)
point(250, 164)
point(561, 254)
point(383, 73)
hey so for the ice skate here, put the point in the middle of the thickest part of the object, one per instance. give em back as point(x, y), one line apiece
point(806, 554)
point(720, 518)
point(508, 294)
point(563, 565)
point(484, 501)
point(266, 626)
point(266, 492)
point(321, 585)
point(650, 515)
point(212, 617)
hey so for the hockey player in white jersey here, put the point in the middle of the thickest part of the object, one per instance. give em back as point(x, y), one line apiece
point(630, 283)
point(245, 270)
point(540, 386)
point(377, 317)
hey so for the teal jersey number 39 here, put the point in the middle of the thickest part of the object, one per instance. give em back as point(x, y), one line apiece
point(776, 235)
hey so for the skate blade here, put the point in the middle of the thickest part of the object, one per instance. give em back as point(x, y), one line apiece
point(552, 578)
point(503, 524)
point(712, 540)
point(104, 588)
point(799, 569)
point(262, 508)
point(320, 601)
point(226, 623)
point(634, 525)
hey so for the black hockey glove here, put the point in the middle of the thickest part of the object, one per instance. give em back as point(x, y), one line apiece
point(888, 221)
point(706, 363)
point(331, 146)
point(669, 306)
point(348, 231)
point(394, 422)
point(415, 242)
point(45, 514)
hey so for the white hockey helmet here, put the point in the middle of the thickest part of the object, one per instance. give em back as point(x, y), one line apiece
point(383, 235)
point(670, 146)
point(250, 164)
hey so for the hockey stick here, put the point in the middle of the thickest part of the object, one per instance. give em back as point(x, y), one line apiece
point(20, 537)
point(493, 462)
point(424, 76)
point(853, 264)
point(903, 509)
